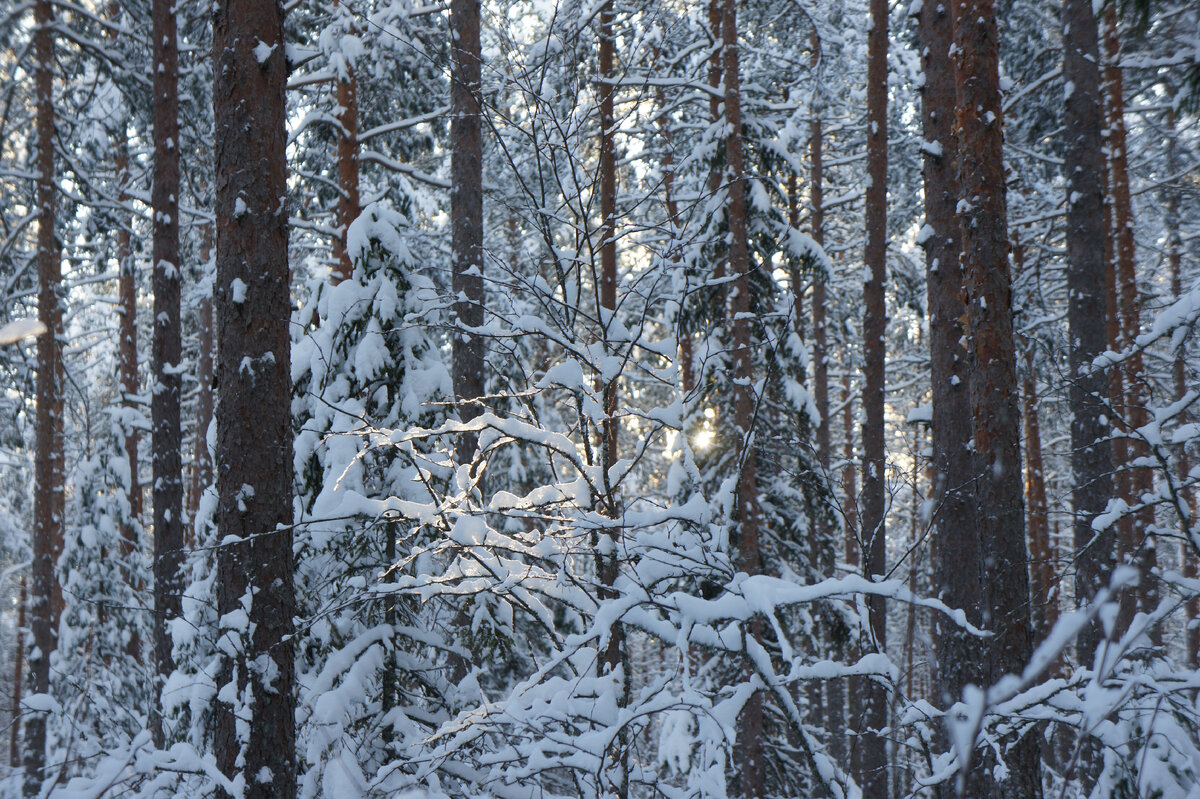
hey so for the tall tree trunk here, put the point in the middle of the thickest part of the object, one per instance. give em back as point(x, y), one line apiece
point(1137, 547)
point(202, 458)
point(744, 400)
point(835, 694)
point(349, 202)
point(1091, 451)
point(957, 557)
point(127, 285)
point(168, 350)
point(870, 765)
point(46, 600)
point(14, 730)
point(983, 226)
point(466, 212)
point(1179, 371)
point(609, 551)
point(255, 593)
point(128, 355)
point(1044, 590)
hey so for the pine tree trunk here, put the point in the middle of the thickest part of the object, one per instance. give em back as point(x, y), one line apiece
point(168, 350)
point(744, 400)
point(14, 730)
point(466, 213)
point(255, 567)
point(835, 693)
point(870, 754)
point(1044, 588)
point(1091, 451)
point(957, 557)
point(46, 599)
point(1137, 548)
point(983, 226)
point(127, 351)
point(349, 202)
point(201, 457)
point(1179, 371)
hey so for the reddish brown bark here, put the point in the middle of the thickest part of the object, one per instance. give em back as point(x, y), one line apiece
point(1134, 546)
point(870, 753)
point(1091, 452)
point(349, 202)
point(168, 350)
point(254, 435)
point(46, 599)
point(1044, 583)
point(466, 212)
point(956, 552)
point(983, 226)
point(127, 285)
point(744, 400)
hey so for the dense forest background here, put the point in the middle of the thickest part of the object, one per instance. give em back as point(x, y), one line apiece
point(600, 398)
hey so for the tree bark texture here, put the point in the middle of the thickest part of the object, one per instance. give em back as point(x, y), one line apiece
point(201, 457)
point(46, 599)
point(349, 201)
point(870, 753)
point(255, 566)
point(167, 439)
point(958, 560)
point(466, 212)
point(1135, 546)
point(744, 399)
point(1043, 579)
point(983, 225)
point(1179, 373)
point(1091, 450)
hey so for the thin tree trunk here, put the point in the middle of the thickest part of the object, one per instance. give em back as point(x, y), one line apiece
point(46, 600)
point(1137, 548)
point(983, 226)
point(128, 356)
point(1041, 549)
point(1091, 451)
point(466, 213)
point(168, 351)
point(349, 202)
point(854, 685)
point(835, 693)
point(255, 593)
point(14, 731)
point(1179, 369)
point(744, 400)
point(202, 458)
point(870, 765)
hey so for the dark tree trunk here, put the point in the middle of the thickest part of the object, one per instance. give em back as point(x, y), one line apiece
point(127, 350)
point(957, 562)
point(1044, 588)
point(983, 225)
point(1135, 547)
point(46, 599)
point(466, 212)
point(870, 766)
point(254, 436)
point(1091, 451)
point(349, 202)
point(14, 730)
point(744, 401)
point(164, 402)
point(202, 458)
